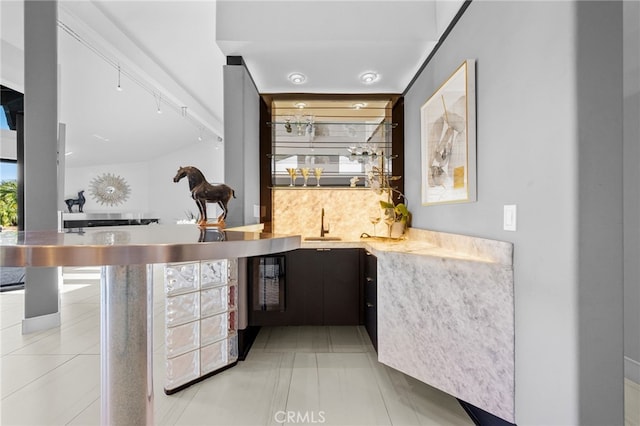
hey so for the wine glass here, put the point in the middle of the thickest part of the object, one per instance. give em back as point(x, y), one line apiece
point(389, 218)
point(305, 175)
point(318, 172)
point(374, 218)
point(292, 174)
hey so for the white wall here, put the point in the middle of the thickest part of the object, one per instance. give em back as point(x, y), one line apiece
point(549, 139)
point(153, 192)
point(170, 201)
point(135, 174)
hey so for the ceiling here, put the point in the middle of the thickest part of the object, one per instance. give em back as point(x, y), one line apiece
point(170, 55)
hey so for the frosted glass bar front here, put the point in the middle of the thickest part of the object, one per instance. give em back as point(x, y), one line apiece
point(233, 269)
point(183, 369)
point(214, 356)
point(181, 278)
point(182, 309)
point(233, 348)
point(214, 301)
point(214, 272)
point(214, 328)
point(182, 339)
point(233, 290)
point(200, 314)
point(232, 320)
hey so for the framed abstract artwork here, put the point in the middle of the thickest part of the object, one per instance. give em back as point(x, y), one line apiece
point(448, 140)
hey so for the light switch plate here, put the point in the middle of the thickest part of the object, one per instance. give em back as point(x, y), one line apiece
point(509, 223)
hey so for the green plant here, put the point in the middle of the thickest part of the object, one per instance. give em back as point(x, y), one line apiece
point(400, 209)
point(9, 203)
point(380, 182)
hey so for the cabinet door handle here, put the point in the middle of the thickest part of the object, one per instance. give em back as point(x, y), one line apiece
point(370, 305)
point(369, 279)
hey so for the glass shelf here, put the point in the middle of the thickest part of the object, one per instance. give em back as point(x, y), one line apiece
point(358, 156)
point(346, 142)
point(336, 123)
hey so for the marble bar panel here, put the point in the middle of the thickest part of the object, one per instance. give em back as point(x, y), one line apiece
point(449, 321)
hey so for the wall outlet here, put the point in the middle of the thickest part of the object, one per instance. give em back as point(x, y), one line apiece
point(509, 221)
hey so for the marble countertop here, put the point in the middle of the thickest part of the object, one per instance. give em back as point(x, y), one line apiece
point(408, 246)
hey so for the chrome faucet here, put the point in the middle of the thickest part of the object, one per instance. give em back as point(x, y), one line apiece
point(322, 230)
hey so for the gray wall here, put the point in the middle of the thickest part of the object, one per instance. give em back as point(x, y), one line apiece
point(242, 136)
point(631, 169)
point(549, 139)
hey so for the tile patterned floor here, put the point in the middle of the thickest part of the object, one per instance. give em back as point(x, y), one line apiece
point(318, 375)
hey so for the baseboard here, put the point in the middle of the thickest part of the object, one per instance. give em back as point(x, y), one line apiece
point(246, 338)
point(632, 369)
point(39, 323)
point(479, 417)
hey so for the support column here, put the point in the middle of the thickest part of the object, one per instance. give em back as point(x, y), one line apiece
point(242, 143)
point(126, 345)
point(39, 162)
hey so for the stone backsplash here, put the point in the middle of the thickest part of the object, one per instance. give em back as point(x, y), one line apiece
point(347, 211)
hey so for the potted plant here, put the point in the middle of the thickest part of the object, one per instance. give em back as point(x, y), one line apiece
point(380, 182)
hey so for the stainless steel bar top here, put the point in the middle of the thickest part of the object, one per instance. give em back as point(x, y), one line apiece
point(135, 245)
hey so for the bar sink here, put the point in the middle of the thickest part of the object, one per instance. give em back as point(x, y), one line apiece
point(323, 239)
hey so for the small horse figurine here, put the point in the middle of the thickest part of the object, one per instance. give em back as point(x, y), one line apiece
point(70, 202)
point(203, 192)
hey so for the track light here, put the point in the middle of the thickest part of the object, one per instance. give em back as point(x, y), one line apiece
point(158, 101)
point(119, 88)
point(141, 81)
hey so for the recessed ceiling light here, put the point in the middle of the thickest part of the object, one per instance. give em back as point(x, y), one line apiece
point(297, 78)
point(300, 105)
point(359, 105)
point(368, 77)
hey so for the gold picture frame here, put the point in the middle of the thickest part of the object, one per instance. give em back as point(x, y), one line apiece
point(448, 136)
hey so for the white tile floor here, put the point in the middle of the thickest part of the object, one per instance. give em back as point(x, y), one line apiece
point(324, 375)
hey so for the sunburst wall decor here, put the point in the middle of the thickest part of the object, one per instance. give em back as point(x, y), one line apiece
point(109, 189)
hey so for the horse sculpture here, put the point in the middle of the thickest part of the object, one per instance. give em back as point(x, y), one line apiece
point(203, 192)
point(70, 202)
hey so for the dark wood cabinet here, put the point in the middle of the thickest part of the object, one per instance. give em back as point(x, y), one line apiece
point(371, 297)
point(305, 284)
point(321, 287)
point(341, 286)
